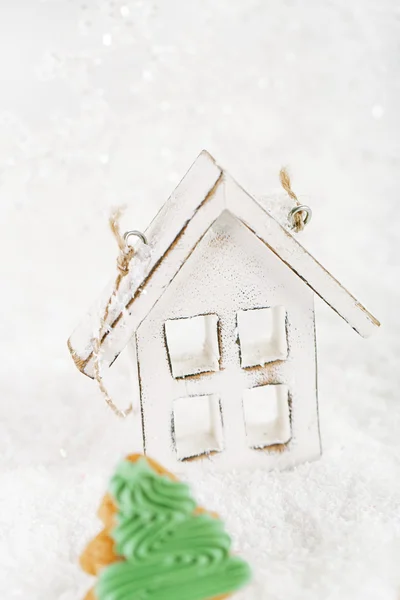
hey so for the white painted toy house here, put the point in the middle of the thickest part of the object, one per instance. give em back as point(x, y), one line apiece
point(222, 319)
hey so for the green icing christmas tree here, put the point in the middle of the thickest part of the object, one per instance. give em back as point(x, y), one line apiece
point(168, 548)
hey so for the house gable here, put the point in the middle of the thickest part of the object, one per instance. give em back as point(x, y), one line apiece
point(200, 198)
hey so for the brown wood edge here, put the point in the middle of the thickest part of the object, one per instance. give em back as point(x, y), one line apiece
point(82, 362)
point(79, 362)
point(370, 317)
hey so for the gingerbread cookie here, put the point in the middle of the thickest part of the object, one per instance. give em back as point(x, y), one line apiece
point(157, 544)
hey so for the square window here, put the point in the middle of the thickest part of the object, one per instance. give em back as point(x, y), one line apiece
point(193, 345)
point(267, 415)
point(262, 335)
point(197, 425)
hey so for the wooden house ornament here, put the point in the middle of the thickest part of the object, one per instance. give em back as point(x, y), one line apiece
point(222, 318)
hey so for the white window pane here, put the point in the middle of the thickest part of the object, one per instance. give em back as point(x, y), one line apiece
point(262, 335)
point(267, 415)
point(197, 426)
point(193, 345)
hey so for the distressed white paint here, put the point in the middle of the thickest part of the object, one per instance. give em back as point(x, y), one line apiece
point(231, 270)
point(179, 211)
point(214, 250)
point(199, 199)
point(253, 215)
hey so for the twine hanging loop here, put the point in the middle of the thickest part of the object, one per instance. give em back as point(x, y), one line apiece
point(301, 214)
point(126, 253)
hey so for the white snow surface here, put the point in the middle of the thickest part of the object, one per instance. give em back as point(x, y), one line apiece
point(109, 102)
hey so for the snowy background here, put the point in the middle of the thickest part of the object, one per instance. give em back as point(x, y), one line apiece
point(106, 103)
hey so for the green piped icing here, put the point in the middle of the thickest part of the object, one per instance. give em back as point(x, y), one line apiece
point(139, 490)
point(170, 553)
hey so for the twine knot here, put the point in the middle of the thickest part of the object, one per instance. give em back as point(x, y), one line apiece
point(124, 259)
point(126, 253)
point(301, 214)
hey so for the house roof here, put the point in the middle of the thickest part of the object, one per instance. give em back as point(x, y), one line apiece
point(199, 199)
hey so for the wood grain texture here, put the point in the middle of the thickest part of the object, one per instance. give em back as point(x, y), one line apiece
point(220, 276)
point(164, 236)
point(172, 236)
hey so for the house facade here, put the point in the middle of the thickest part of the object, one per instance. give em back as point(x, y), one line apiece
point(224, 410)
point(222, 317)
